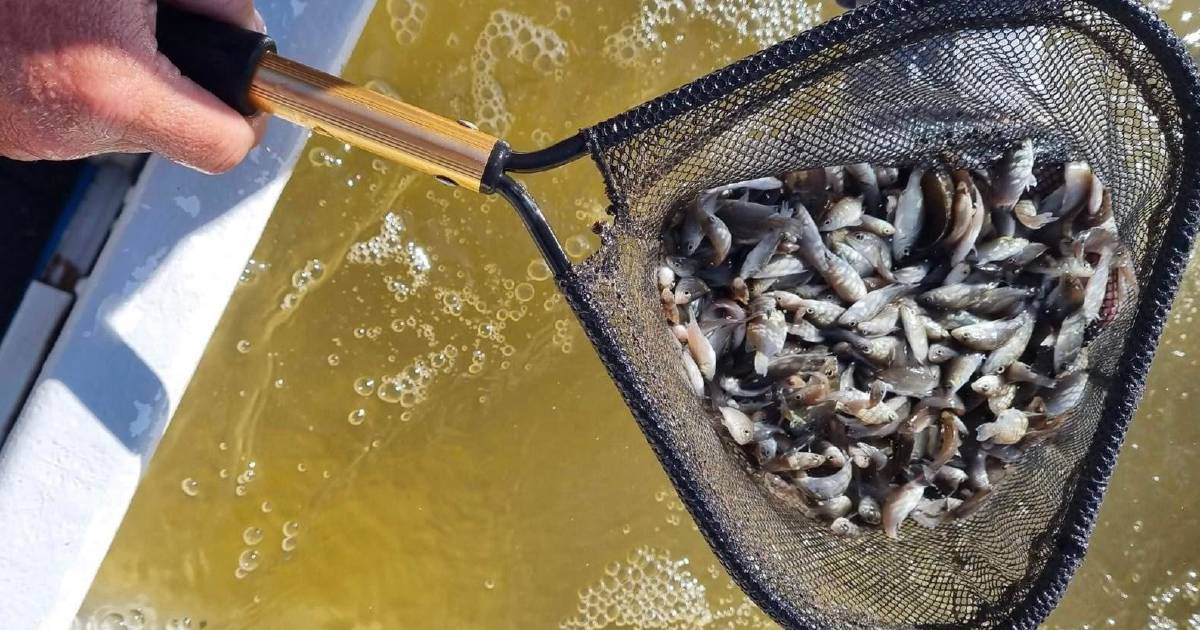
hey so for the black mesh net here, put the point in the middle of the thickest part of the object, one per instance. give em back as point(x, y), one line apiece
point(897, 83)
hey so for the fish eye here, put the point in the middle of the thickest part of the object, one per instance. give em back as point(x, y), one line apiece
point(860, 236)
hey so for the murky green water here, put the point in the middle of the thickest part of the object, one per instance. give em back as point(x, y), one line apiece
point(413, 432)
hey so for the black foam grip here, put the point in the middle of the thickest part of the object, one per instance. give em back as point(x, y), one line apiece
point(220, 57)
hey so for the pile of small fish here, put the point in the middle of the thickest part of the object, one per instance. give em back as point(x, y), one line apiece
point(883, 343)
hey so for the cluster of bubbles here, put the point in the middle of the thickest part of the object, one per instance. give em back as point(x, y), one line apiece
point(254, 269)
point(1175, 601)
point(764, 22)
point(389, 246)
point(247, 562)
point(408, 18)
point(290, 530)
point(303, 280)
point(409, 387)
point(650, 589)
point(322, 157)
point(244, 479)
point(563, 339)
point(131, 617)
point(515, 36)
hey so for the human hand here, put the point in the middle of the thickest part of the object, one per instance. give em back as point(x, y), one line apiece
point(79, 78)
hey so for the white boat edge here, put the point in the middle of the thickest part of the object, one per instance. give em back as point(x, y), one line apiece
point(130, 345)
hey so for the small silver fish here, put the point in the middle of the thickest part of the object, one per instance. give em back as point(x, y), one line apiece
point(882, 324)
point(999, 249)
point(826, 488)
point(1013, 347)
point(886, 176)
point(966, 245)
point(877, 226)
point(1027, 213)
point(664, 277)
point(796, 460)
point(987, 336)
point(692, 371)
point(846, 212)
point(761, 253)
point(861, 265)
point(1008, 428)
point(1077, 184)
point(939, 353)
point(899, 503)
point(910, 217)
point(762, 183)
point(914, 330)
point(959, 370)
point(912, 274)
point(738, 424)
point(875, 249)
point(805, 331)
point(688, 290)
point(864, 174)
point(719, 236)
point(1018, 372)
point(834, 508)
point(1067, 393)
point(820, 312)
point(692, 232)
point(780, 266)
point(1014, 176)
point(915, 381)
point(1069, 340)
point(871, 304)
point(844, 528)
point(935, 331)
point(702, 351)
point(869, 510)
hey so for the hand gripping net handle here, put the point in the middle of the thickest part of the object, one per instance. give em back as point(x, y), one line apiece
point(897, 83)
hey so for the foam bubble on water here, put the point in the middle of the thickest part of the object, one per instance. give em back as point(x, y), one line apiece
point(764, 22)
point(253, 270)
point(1173, 606)
point(514, 36)
point(190, 487)
point(538, 270)
point(252, 535)
point(408, 19)
point(651, 589)
point(390, 246)
point(133, 616)
point(243, 346)
point(322, 157)
point(364, 385)
point(303, 280)
point(579, 246)
point(248, 560)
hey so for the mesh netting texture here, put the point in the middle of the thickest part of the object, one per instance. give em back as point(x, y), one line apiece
point(901, 83)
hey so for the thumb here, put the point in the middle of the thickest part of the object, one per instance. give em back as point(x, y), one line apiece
point(187, 124)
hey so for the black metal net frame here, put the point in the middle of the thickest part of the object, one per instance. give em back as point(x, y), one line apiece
point(657, 156)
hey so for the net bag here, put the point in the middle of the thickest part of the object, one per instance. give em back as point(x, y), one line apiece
point(897, 83)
